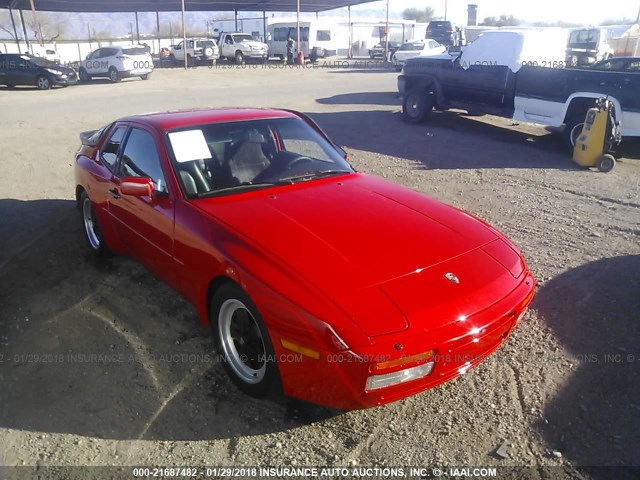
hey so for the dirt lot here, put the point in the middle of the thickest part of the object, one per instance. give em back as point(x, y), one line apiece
point(563, 391)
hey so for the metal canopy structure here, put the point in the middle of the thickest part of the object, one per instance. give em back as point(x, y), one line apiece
point(136, 6)
point(97, 6)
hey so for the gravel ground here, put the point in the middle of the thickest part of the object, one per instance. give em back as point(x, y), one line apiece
point(563, 391)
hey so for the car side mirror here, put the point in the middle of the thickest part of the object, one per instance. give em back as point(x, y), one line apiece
point(137, 186)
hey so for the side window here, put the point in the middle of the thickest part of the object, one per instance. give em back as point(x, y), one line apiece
point(140, 159)
point(323, 35)
point(111, 148)
point(190, 44)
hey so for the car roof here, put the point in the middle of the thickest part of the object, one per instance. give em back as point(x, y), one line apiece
point(184, 118)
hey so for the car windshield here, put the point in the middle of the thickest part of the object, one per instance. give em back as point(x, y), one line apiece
point(225, 158)
point(134, 51)
point(39, 61)
point(412, 46)
point(439, 26)
point(242, 38)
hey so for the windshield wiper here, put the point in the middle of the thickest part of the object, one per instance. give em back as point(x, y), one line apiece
point(241, 187)
point(313, 175)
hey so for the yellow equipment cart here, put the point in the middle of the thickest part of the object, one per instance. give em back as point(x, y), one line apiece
point(600, 136)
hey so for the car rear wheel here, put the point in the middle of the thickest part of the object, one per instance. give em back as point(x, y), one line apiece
point(114, 75)
point(92, 230)
point(417, 106)
point(243, 340)
point(83, 75)
point(572, 130)
point(43, 82)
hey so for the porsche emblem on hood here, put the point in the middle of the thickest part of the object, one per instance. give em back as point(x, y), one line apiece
point(452, 278)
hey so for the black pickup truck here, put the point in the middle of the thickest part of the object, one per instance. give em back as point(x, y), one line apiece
point(506, 74)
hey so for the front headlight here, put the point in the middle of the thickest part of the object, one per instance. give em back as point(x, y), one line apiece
point(376, 382)
point(55, 72)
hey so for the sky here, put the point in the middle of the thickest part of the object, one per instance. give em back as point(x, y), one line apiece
point(573, 11)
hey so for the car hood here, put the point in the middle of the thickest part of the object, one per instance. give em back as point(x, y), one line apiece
point(253, 43)
point(372, 246)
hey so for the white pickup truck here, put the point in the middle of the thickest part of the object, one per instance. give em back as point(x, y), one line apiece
point(203, 51)
point(241, 47)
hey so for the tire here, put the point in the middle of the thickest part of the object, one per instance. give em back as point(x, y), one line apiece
point(208, 52)
point(83, 76)
point(417, 106)
point(249, 357)
point(146, 76)
point(606, 163)
point(114, 75)
point(239, 57)
point(572, 130)
point(92, 228)
point(43, 82)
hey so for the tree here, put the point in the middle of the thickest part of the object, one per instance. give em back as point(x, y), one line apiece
point(6, 25)
point(421, 16)
point(502, 21)
point(618, 21)
point(52, 25)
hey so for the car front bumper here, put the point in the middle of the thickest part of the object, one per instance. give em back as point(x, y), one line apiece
point(64, 81)
point(339, 380)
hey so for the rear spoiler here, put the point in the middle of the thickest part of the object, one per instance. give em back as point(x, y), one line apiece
point(91, 138)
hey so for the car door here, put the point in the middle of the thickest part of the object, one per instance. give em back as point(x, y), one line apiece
point(27, 71)
point(9, 69)
point(92, 62)
point(144, 224)
point(108, 59)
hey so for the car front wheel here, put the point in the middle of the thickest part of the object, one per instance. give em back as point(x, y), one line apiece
point(43, 82)
point(417, 106)
point(83, 75)
point(92, 230)
point(146, 76)
point(114, 75)
point(242, 339)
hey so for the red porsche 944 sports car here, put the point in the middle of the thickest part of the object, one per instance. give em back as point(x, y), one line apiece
point(324, 283)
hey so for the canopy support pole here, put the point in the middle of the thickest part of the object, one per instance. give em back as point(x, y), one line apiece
point(235, 15)
point(15, 31)
point(298, 27)
point(350, 49)
point(36, 23)
point(137, 29)
point(158, 30)
point(264, 26)
point(184, 38)
point(386, 37)
point(24, 30)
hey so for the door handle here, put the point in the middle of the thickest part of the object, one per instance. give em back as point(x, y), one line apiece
point(114, 193)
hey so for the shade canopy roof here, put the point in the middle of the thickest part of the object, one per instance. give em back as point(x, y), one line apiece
point(176, 5)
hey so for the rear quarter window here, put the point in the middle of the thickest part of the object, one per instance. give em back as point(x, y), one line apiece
point(134, 51)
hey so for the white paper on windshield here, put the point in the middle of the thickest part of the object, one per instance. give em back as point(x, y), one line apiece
point(189, 145)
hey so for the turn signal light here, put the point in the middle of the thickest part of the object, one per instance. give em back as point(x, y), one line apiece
point(403, 361)
point(294, 347)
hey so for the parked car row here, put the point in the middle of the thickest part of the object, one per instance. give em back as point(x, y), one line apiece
point(112, 62)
